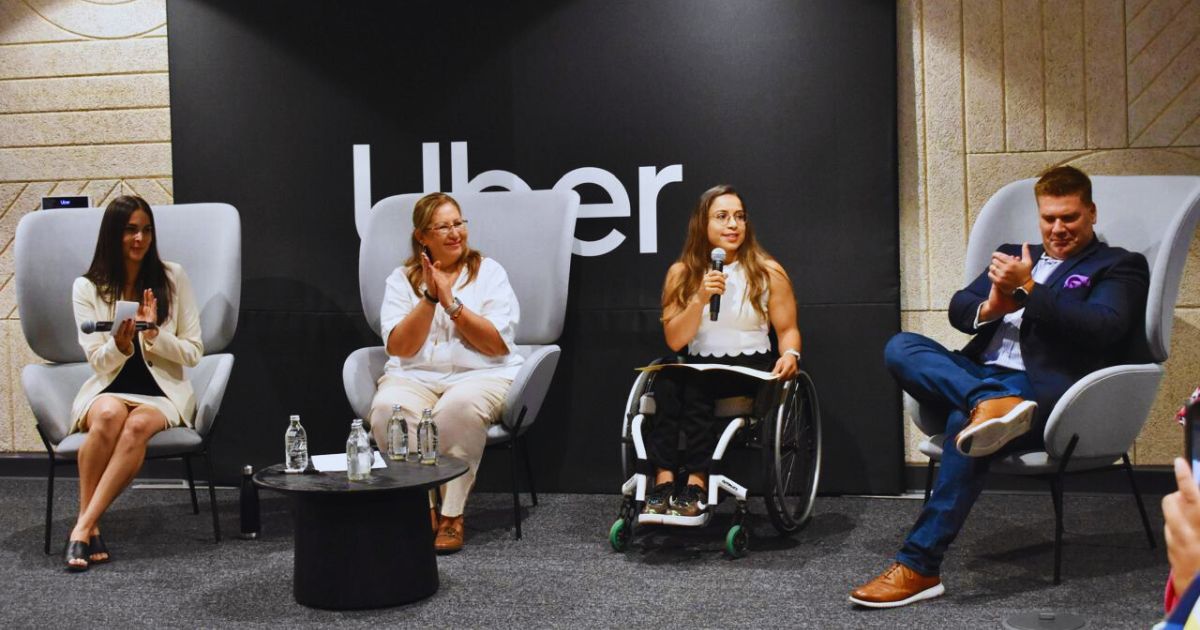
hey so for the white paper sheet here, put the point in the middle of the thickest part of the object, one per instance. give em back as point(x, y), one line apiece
point(125, 310)
point(759, 374)
point(336, 462)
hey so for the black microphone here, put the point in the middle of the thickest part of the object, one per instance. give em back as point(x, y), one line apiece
point(714, 302)
point(89, 327)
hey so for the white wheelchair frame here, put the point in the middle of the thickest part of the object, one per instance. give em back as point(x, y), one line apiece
point(794, 414)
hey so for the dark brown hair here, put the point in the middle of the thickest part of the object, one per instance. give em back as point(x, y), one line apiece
point(1064, 181)
point(107, 271)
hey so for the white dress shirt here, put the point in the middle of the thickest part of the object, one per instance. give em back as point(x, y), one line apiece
point(446, 357)
point(1004, 349)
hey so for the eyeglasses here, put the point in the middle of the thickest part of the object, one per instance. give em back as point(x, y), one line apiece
point(722, 216)
point(132, 230)
point(444, 229)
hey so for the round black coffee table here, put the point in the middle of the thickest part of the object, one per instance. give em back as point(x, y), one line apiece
point(363, 544)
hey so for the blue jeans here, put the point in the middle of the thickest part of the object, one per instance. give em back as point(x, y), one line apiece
point(953, 383)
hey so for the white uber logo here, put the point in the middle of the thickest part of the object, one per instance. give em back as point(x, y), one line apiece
point(650, 181)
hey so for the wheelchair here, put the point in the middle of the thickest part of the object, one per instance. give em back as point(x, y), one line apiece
point(781, 425)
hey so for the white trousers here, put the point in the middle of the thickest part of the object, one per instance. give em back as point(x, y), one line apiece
point(462, 412)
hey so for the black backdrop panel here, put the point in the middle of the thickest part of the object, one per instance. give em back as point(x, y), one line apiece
point(793, 102)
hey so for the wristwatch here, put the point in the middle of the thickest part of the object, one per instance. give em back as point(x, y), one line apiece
point(1020, 295)
point(455, 309)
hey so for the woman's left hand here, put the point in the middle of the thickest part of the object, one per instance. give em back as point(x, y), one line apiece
point(148, 312)
point(444, 281)
point(786, 367)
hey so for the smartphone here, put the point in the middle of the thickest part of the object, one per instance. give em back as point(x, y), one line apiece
point(1191, 423)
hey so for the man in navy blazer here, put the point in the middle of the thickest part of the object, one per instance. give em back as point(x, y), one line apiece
point(1042, 318)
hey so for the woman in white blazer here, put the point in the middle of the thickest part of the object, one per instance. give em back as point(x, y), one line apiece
point(139, 387)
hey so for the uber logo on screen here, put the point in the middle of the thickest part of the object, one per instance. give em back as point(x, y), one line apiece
point(650, 181)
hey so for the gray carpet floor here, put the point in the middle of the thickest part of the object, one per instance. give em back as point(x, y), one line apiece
point(168, 573)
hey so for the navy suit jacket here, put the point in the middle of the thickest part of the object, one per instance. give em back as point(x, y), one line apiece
point(1089, 314)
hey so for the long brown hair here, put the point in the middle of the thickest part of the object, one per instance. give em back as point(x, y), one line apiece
point(422, 218)
point(695, 258)
point(107, 270)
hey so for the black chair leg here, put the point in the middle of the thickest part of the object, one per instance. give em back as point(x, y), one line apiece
point(187, 465)
point(49, 503)
point(1056, 494)
point(1138, 496)
point(929, 478)
point(513, 445)
point(529, 473)
point(212, 497)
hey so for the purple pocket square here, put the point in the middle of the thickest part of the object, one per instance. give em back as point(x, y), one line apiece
point(1076, 280)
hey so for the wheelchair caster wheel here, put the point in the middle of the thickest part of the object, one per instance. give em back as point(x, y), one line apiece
point(737, 541)
point(619, 534)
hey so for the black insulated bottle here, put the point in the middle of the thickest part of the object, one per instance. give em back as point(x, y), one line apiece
point(249, 505)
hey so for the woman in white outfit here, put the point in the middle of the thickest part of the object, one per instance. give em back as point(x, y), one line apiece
point(139, 387)
point(448, 317)
point(756, 294)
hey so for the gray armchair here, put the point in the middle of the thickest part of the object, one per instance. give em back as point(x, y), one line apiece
point(1096, 421)
point(54, 247)
point(501, 227)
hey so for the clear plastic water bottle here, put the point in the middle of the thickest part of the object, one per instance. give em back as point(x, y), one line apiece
point(358, 453)
point(427, 438)
point(397, 435)
point(295, 447)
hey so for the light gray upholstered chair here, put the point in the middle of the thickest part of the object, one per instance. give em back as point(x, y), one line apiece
point(1097, 420)
point(53, 247)
point(530, 235)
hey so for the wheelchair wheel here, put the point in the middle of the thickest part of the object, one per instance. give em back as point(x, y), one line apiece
point(737, 541)
point(792, 450)
point(619, 534)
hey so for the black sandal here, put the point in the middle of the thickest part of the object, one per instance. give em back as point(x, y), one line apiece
point(95, 546)
point(76, 550)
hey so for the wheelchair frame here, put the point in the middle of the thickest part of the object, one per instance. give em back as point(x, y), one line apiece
point(789, 435)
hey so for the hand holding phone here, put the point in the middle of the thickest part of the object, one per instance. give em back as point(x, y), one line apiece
point(1191, 424)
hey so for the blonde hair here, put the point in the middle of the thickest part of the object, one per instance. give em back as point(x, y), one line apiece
point(679, 288)
point(422, 218)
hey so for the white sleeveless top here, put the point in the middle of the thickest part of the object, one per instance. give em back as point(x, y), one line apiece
point(739, 328)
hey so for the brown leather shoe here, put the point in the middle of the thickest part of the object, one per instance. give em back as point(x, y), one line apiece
point(898, 586)
point(433, 517)
point(450, 535)
point(994, 423)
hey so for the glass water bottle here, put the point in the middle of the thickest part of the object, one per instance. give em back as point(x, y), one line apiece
point(295, 447)
point(358, 453)
point(427, 438)
point(397, 435)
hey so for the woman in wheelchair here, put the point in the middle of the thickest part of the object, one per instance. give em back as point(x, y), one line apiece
point(449, 317)
point(139, 387)
point(755, 293)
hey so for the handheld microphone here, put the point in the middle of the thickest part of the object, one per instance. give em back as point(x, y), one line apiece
point(89, 327)
point(714, 302)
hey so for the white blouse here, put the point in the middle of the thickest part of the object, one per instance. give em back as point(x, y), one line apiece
point(446, 357)
point(739, 328)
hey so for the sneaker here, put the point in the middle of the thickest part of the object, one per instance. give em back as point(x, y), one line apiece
point(656, 499)
point(690, 502)
point(898, 586)
point(994, 423)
